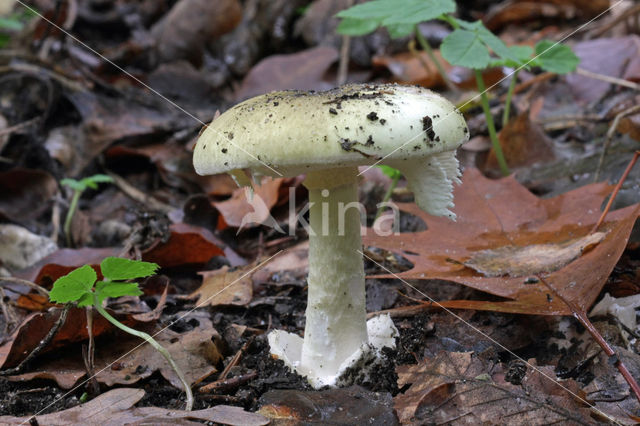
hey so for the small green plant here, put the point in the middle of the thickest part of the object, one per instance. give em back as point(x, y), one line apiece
point(78, 187)
point(13, 23)
point(399, 18)
point(469, 45)
point(81, 287)
point(395, 176)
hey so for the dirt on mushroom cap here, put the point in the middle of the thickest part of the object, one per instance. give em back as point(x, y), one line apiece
point(359, 124)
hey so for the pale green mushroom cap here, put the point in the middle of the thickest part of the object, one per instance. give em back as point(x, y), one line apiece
point(293, 132)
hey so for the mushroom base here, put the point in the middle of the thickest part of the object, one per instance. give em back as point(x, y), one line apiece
point(381, 331)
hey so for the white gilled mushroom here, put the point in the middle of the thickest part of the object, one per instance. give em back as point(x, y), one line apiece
point(326, 135)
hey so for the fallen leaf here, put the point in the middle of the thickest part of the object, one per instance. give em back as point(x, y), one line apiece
point(460, 387)
point(353, 405)
point(36, 326)
point(108, 119)
point(116, 407)
point(127, 359)
point(531, 260)
point(503, 213)
point(187, 245)
point(608, 56)
point(224, 287)
point(250, 208)
point(290, 266)
point(523, 143)
point(194, 352)
point(609, 391)
point(25, 194)
point(100, 410)
point(20, 248)
point(190, 25)
point(300, 71)
point(409, 69)
point(519, 12)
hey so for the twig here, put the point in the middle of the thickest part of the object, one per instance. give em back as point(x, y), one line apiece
point(37, 70)
point(616, 190)
point(525, 85)
point(228, 384)
point(608, 79)
point(41, 345)
point(139, 196)
point(34, 286)
point(581, 316)
point(612, 130)
point(234, 361)
point(19, 126)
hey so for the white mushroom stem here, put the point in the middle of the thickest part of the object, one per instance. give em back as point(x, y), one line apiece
point(336, 315)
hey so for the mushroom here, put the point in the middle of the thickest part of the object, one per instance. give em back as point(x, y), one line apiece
point(327, 135)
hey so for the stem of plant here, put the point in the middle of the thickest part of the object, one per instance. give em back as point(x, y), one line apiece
point(507, 102)
point(387, 195)
point(504, 168)
point(152, 342)
point(72, 208)
point(427, 48)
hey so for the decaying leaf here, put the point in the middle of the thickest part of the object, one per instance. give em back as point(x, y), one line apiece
point(409, 69)
point(352, 405)
point(609, 391)
point(302, 70)
point(116, 407)
point(461, 388)
point(245, 209)
point(501, 213)
point(20, 248)
point(523, 142)
point(224, 287)
point(531, 260)
point(128, 359)
point(525, 11)
point(187, 245)
point(291, 265)
point(615, 57)
point(35, 327)
point(25, 194)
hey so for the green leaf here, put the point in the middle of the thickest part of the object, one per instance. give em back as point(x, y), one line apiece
point(495, 44)
point(356, 27)
point(93, 181)
point(376, 10)
point(73, 286)
point(86, 300)
point(556, 57)
point(398, 16)
point(523, 53)
point(11, 24)
point(400, 30)
point(74, 184)
point(415, 11)
point(390, 171)
point(105, 289)
point(117, 268)
point(99, 178)
point(464, 48)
